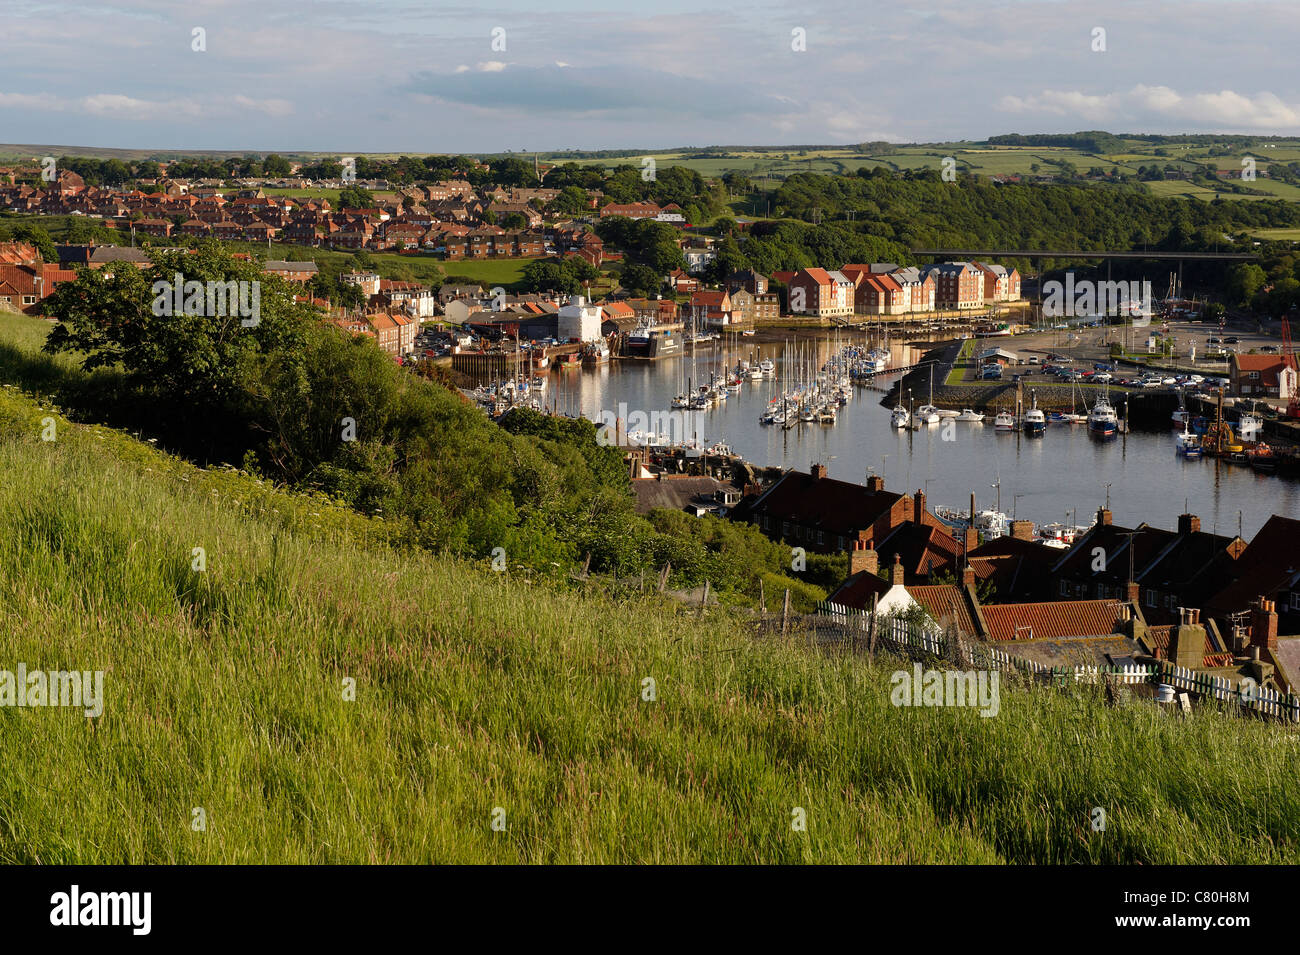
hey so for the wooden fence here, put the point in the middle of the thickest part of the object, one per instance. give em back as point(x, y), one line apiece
point(836, 623)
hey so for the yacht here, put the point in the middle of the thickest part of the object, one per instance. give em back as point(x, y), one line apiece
point(900, 418)
point(968, 415)
point(1005, 421)
point(927, 414)
point(768, 367)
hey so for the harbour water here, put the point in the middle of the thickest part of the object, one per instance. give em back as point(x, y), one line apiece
point(1064, 476)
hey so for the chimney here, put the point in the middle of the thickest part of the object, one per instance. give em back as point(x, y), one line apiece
point(1022, 530)
point(1187, 640)
point(818, 471)
point(968, 577)
point(1103, 515)
point(918, 507)
point(1188, 524)
point(875, 483)
point(1133, 592)
point(896, 571)
point(1263, 624)
point(970, 538)
point(862, 556)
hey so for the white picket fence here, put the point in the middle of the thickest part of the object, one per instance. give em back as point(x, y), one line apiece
point(898, 634)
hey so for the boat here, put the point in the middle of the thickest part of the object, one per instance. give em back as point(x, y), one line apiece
point(1035, 422)
point(927, 414)
point(1102, 420)
point(900, 418)
point(749, 333)
point(1187, 443)
point(968, 414)
point(1005, 421)
point(1249, 427)
point(681, 401)
point(1262, 458)
point(768, 367)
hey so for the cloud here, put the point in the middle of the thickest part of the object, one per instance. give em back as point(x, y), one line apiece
point(1224, 109)
point(575, 90)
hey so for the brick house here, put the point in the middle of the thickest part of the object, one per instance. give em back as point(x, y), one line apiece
point(820, 293)
point(958, 285)
point(1262, 376)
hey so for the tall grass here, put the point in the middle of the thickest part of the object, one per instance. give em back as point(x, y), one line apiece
point(225, 690)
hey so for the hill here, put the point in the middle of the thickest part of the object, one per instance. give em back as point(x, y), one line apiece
point(225, 690)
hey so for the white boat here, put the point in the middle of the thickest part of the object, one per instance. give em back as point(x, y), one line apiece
point(1102, 420)
point(927, 414)
point(1035, 422)
point(968, 415)
point(768, 367)
point(948, 413)
point(756, 374)
point(900, 418)
point(1005, 421)
point(1249, 427)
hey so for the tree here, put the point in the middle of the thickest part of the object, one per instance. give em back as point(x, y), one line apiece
point(356, 197)
point(1244, 281)
point(640, 279)
point(276, 165)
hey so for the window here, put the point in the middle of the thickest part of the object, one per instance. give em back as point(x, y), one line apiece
point(29, 299)
point(1295, 601)
point(1152, 598)
point(1065, 589)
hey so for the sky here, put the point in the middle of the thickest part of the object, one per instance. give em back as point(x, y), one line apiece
point(427, 76)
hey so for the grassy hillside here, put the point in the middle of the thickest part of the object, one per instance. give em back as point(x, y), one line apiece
point(224, 690)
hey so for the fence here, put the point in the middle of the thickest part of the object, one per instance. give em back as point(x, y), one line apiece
point(836, 623)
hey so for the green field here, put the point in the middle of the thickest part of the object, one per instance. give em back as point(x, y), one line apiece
point(980, 158)
point(321, 697)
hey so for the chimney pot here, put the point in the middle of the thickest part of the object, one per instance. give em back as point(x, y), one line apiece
point(896, 571)
point(1103, 515)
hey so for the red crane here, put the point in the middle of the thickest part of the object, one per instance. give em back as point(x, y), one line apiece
point(1288, 358)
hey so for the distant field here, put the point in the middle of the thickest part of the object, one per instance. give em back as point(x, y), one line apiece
point(1278, 234)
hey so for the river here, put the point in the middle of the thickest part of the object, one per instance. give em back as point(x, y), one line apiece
point(1063, 476)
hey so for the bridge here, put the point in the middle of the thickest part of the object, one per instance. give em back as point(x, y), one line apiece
point(1083, 254)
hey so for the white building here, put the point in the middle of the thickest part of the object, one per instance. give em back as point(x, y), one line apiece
point(579, 320)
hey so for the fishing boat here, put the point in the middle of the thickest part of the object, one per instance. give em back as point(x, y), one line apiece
point(1035, 422)
point(1249, 427)
point(1102, 420)
point(1004, 421)
point(1187, 443)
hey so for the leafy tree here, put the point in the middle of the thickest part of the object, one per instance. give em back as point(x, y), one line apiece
point(356, 197)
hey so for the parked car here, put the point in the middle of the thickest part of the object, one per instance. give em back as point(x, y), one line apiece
point(1103, 377)
point(1231, 340)
point(1268, 349)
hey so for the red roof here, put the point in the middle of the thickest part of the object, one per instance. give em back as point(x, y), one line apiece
point(1048, 621)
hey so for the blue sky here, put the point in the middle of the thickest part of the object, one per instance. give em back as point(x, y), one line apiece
point(401, 75)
